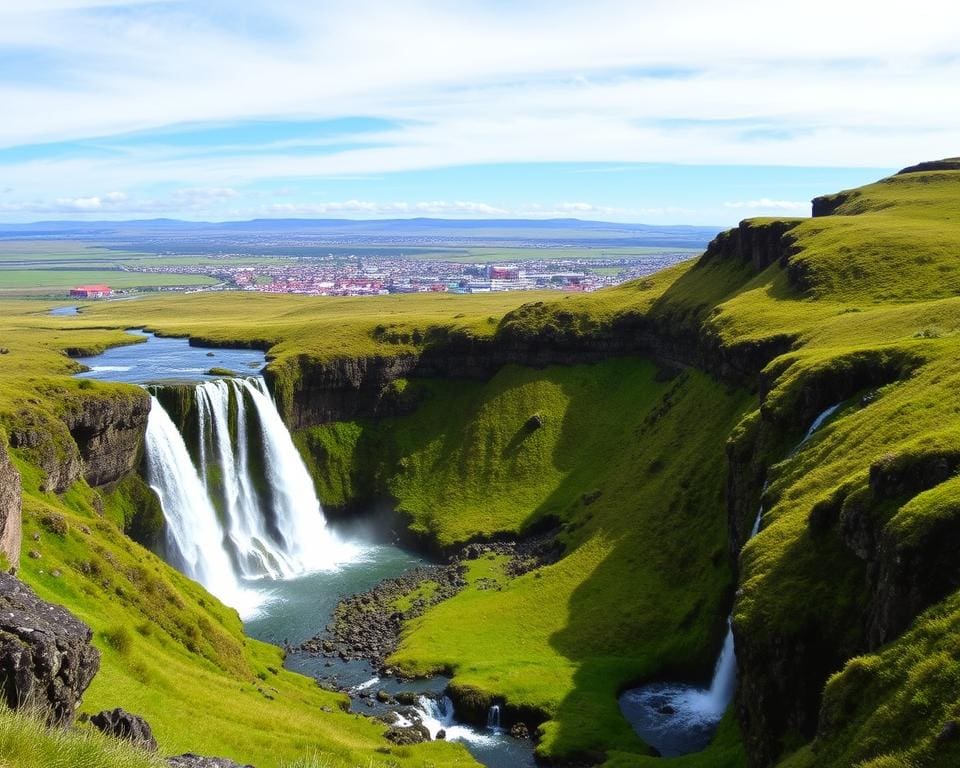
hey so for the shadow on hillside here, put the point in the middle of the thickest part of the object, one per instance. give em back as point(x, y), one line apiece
point(662, 519)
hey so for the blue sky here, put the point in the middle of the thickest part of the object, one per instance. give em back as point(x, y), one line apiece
point(665, 112)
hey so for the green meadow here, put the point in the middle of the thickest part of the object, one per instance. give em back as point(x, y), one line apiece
point(631, 467)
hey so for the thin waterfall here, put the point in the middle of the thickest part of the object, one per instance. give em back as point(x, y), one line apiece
point(493, 717)
point(248, 509)
point(676, 718)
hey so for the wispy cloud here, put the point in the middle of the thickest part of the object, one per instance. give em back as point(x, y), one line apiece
point(147, 96)
point(767, 204)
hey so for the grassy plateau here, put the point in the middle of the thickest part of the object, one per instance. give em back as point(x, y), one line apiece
point(845, 605)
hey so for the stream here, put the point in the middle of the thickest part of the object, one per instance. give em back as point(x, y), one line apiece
point(251, 553)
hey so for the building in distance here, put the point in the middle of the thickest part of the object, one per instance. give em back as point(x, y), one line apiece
point(91, 292)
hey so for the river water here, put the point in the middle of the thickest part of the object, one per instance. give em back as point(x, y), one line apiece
point(280, 607)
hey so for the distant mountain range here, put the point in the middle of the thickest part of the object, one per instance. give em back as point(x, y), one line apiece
point(423, 231)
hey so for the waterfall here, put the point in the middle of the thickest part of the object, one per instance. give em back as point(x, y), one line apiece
point(438, 715)
point(247, 509)
point(676, 718)
point(493, 717)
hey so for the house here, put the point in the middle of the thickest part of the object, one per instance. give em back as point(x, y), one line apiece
point(90, 292)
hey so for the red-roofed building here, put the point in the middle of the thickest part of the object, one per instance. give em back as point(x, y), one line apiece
point(90, 292)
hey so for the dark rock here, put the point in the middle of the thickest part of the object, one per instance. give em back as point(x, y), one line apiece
point(408, 698)
point(190, 760)
point(534, 422)
point(384, 697)
point(46, 659)
point(948, 164)
point(520, 731)
point(949, 732)
point(125, 726)
point(441, 735)
point(412, 734)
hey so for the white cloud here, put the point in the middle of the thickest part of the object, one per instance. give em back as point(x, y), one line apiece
point(681, 81)
point(765, 203)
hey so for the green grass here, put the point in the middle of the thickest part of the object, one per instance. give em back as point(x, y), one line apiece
point(42, 281)
point(25, 742)
point(867, 302)
point(173, 654)
point(611, 462)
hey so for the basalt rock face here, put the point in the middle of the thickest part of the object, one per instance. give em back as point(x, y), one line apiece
point(339, 389)
point(97, 438)
point(947, 164)
point(46, 659)
point(109, 434)
point(311, 392)
point(10, 508)
point(190, 760)
point(125, 726)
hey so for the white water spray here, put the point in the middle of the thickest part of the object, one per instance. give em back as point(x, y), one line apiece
point(238, 516)
point(437, 715)
point(493, 717)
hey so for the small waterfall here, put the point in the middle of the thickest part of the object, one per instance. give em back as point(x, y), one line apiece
point(493, 718)
point(247, 510)
point(438, 715)
point(676, 718)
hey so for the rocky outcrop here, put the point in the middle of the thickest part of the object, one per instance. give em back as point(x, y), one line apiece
point(947, 164)
point(46, 659)
point(125, 726)
point(109, 433)
point(190, 760)
point(10, 509)
point(97, 437)
point(46, 443)
point(759, 242)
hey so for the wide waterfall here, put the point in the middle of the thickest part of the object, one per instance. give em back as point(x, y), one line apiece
point(241, 507)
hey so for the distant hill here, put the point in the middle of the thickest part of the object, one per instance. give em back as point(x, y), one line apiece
point(403, 231)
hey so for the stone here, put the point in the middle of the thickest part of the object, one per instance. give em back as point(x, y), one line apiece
point(949, 732)
point(125, 726)
point(535, 422)
point(46, 657)
point(406, 735)
point(441, 735)
point(10, 509)
point(190, 760)
point(384, 697)
point(520, 731)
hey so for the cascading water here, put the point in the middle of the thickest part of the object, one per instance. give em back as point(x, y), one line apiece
point(677, 718)
point(438, 715)
point(247, 509)
point(493, 717)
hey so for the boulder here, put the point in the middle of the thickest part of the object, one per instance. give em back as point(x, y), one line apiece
point(520, 731)
point(126, 726)
point(46, 659)
point(10, 505)
point(190, 760)
point(405, 735)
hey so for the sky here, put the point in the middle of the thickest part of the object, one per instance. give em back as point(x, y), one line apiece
point(673, 112)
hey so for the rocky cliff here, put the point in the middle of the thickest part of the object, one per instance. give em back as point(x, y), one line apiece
point(10, 508)
point(46, 657)
point(96, 436)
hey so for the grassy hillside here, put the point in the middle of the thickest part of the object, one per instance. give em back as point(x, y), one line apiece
point(631, 464)
point(853, 577)
point(171, 652)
